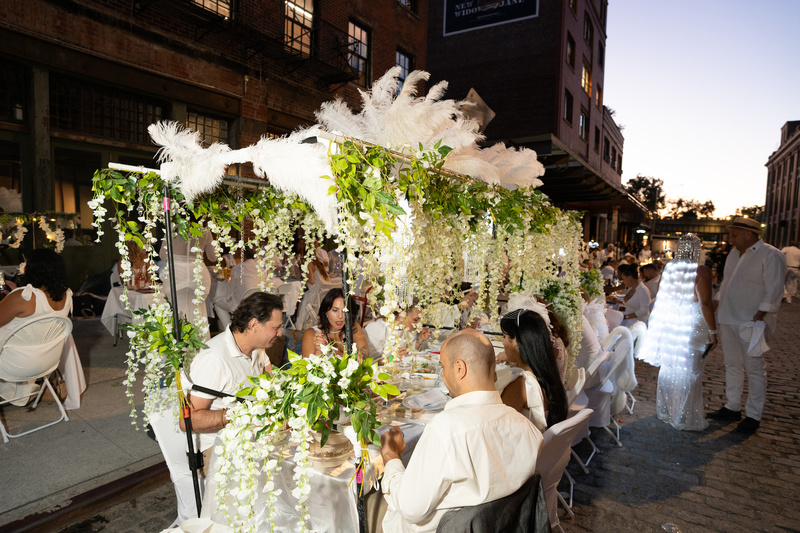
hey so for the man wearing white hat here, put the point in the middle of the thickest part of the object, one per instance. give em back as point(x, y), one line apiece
point(747, 301)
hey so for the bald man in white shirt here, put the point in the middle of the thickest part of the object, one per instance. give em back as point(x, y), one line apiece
point(476, 451)
point(746, 306)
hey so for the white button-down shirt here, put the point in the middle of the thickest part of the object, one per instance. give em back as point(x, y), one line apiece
point(753, 282)
point(639, 304)
point(477, 450)
point(224, 368)
point(792, 254)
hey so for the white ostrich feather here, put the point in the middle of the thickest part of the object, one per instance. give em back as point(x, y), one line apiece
point(10, 200)
point(298, 168)
point(467, 161)
point(336, 116)
point(184, 162)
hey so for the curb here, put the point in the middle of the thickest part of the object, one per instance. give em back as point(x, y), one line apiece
point(86, 503)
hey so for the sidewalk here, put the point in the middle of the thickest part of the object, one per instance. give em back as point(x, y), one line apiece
point(47, 470)
point(715, 480)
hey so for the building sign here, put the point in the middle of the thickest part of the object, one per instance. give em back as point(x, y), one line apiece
point(468, 15)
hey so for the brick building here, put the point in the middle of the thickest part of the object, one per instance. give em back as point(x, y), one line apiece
point(539, 66)
point(782, 208)
point(82, 79)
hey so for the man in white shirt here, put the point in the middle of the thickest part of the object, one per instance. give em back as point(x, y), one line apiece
point(652, 278)
point(232, 356)
point(792, 253)
point(477, 450)
point(747, 301)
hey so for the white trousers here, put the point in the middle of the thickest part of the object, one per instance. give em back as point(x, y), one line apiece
point(737, 362)
point(790, 286)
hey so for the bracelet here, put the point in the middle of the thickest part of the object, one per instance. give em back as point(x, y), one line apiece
point(712, 332)
point(222, 421)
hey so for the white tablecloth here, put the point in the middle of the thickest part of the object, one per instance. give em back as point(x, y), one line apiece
point(114, 307)
point(72, 370)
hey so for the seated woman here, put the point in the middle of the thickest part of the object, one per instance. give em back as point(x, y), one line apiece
point(330, 329)
point(539, 392)
point(637, 300)
point(45, 292)
point(377, 331)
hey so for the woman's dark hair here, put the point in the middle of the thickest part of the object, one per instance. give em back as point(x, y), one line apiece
point(45, 268)
point(632, 271)
point(536, 350)
point(259, 305)
point(327, 304)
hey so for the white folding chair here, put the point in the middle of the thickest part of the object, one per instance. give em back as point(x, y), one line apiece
point(626, 379)
point(290, 295)
point(552, 462)
point(30, 352)
point(619, 342)
point(576, 387)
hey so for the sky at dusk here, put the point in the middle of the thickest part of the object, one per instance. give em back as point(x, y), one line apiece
point(702, 88)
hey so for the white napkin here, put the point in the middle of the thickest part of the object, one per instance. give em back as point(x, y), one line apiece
point(753, 333)
point(431, 400)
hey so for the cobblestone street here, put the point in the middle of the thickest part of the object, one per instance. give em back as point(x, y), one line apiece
point(714, 480)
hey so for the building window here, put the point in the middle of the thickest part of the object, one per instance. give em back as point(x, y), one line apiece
point(601, 55)
point(11, 169)
point(298, 25)
point(597, 139)
point(606, 150)
point(570, 50)
point(573, 6)
point(406, 63)
point(588, 30)
point(584, 125)
point(586, 78)
point(410, 4)
point(358, 56)
point(213, 130)
point(614, 157)
point(599, 97)
point(218, 7)
point(100, 111)
point(619, 163)
point(13, 91)
point(568, 106)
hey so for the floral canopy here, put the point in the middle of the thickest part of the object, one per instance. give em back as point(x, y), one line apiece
point(402, 187)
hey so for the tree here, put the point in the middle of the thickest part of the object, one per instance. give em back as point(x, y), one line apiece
point(754, 211)
point(682, 208)
point(650, 192)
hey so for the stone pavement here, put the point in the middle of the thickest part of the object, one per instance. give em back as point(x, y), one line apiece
point(715, 480)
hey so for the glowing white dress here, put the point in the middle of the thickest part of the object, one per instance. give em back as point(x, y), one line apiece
point(675, 341)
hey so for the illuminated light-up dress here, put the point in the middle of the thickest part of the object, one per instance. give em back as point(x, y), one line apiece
point(675, 340)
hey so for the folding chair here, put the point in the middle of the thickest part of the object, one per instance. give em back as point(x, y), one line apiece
point(30, 352)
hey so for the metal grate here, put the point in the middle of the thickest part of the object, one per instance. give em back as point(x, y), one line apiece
point(101, 111)
point(219, 7)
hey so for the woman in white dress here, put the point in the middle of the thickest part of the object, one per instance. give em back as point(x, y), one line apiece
point(45, 293)
point(539, 392)
point(637, 300)
point(330, 328)
point(682, 327)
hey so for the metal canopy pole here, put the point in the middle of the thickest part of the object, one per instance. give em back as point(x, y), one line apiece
point(173, 292)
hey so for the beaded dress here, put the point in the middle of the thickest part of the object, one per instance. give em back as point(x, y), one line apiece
point(675, 341)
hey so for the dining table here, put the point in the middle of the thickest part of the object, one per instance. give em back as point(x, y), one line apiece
point(332, 505)
point(115, 313)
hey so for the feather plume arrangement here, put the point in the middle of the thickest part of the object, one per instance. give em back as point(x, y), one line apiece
point(527, 301)
point(184, 161)
point(392, 119)
point(298, 168)
point(10, 200)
